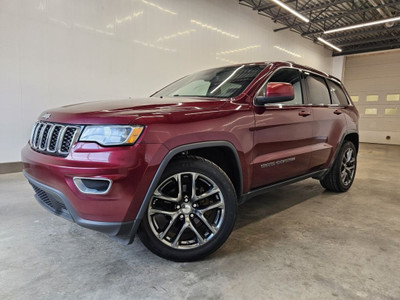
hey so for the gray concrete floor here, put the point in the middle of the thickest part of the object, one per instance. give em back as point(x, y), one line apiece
point(296, 242)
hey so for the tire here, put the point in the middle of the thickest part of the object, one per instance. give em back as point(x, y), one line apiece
point(182, 225)
point(341, 175)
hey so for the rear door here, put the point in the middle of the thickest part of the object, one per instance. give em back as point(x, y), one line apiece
point(282, 134)
point(329, 122)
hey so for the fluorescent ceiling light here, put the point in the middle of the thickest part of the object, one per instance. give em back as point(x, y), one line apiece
point(291, 10)
point(363, 25)
point(329, 44)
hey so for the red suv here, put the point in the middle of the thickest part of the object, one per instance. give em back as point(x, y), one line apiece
point(173, 167)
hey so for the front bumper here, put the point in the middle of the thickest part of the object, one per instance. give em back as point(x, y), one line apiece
point(131, 170)
point(56, 202)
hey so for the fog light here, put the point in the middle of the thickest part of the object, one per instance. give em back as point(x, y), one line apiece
point(92, 185)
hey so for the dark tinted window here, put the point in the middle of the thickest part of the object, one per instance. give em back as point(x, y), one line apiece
point(223, 82)
point(318, 93)
point(289, 76)
point(337, 93)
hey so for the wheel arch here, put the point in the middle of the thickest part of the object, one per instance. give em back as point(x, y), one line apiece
point(204, 149)
point(352, 137)
point(225, 158)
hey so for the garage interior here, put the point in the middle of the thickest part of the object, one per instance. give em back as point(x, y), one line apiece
point(293, 242)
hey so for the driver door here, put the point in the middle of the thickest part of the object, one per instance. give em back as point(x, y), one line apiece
point(282, 135)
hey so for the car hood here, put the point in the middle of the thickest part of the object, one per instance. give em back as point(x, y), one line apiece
point(126, 111)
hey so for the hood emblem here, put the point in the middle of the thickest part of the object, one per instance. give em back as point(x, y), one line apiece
point(46, 116)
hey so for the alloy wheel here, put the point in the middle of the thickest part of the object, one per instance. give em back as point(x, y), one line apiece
point(347, 169)
point(186, 211)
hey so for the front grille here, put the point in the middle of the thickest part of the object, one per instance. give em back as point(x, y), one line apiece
point(52, 202)
point(52, 138)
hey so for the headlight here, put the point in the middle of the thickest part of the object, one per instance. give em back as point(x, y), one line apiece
point(111, 135)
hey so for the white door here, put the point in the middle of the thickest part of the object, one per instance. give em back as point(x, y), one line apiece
point(373, 81)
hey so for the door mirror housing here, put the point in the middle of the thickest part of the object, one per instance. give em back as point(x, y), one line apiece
point(276, 92)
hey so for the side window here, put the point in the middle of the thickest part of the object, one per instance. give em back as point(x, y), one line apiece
point(318, 93)
point(337, 93)
point(289, 76)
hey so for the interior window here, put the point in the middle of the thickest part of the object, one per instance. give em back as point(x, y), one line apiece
point(337, 93)
point(225, 82)
point(318, 91)
point(288, 76)
point(197, 87)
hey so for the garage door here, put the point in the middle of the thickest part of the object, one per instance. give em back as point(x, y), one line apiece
point(373, 81)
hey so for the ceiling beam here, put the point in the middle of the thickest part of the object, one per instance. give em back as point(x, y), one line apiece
point(367, 49)
point(327, 4)
point(330, 13)
point(367, 41)
point(348, 13)
point(269, 6)
point(353, 34)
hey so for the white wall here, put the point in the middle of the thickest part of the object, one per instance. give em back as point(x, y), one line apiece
point(56, 52)
point(338, 63)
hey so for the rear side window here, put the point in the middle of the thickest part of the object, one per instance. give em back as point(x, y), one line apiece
point(318, 93)
point(337, 93)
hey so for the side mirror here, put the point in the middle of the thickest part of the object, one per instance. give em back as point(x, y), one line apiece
point(276, 92)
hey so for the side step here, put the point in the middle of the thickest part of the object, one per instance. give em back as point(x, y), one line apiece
point(316, 175)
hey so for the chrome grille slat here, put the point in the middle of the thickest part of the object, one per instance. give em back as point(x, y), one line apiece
point(44, 135)
point(48, 139)
point(37, 135)
point(67, 140)
point(34, 128)
point(42, 129)
point(53, 138)
point(60, 138)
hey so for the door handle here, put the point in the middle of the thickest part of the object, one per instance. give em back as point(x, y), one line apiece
point(304, 113)
point(337, 112)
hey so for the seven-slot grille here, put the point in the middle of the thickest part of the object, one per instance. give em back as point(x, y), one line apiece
point(52, 138)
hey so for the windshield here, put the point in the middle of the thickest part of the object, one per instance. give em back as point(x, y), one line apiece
point(223, 82)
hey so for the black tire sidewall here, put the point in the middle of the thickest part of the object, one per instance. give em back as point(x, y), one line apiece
point(209, 169)
point(338, 165)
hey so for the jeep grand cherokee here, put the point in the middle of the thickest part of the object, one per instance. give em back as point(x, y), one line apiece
point(173, 167)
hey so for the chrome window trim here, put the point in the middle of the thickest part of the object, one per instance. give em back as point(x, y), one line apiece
point(327, 88)
point(343, 89)
point(279, 104)
point(301, 70)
